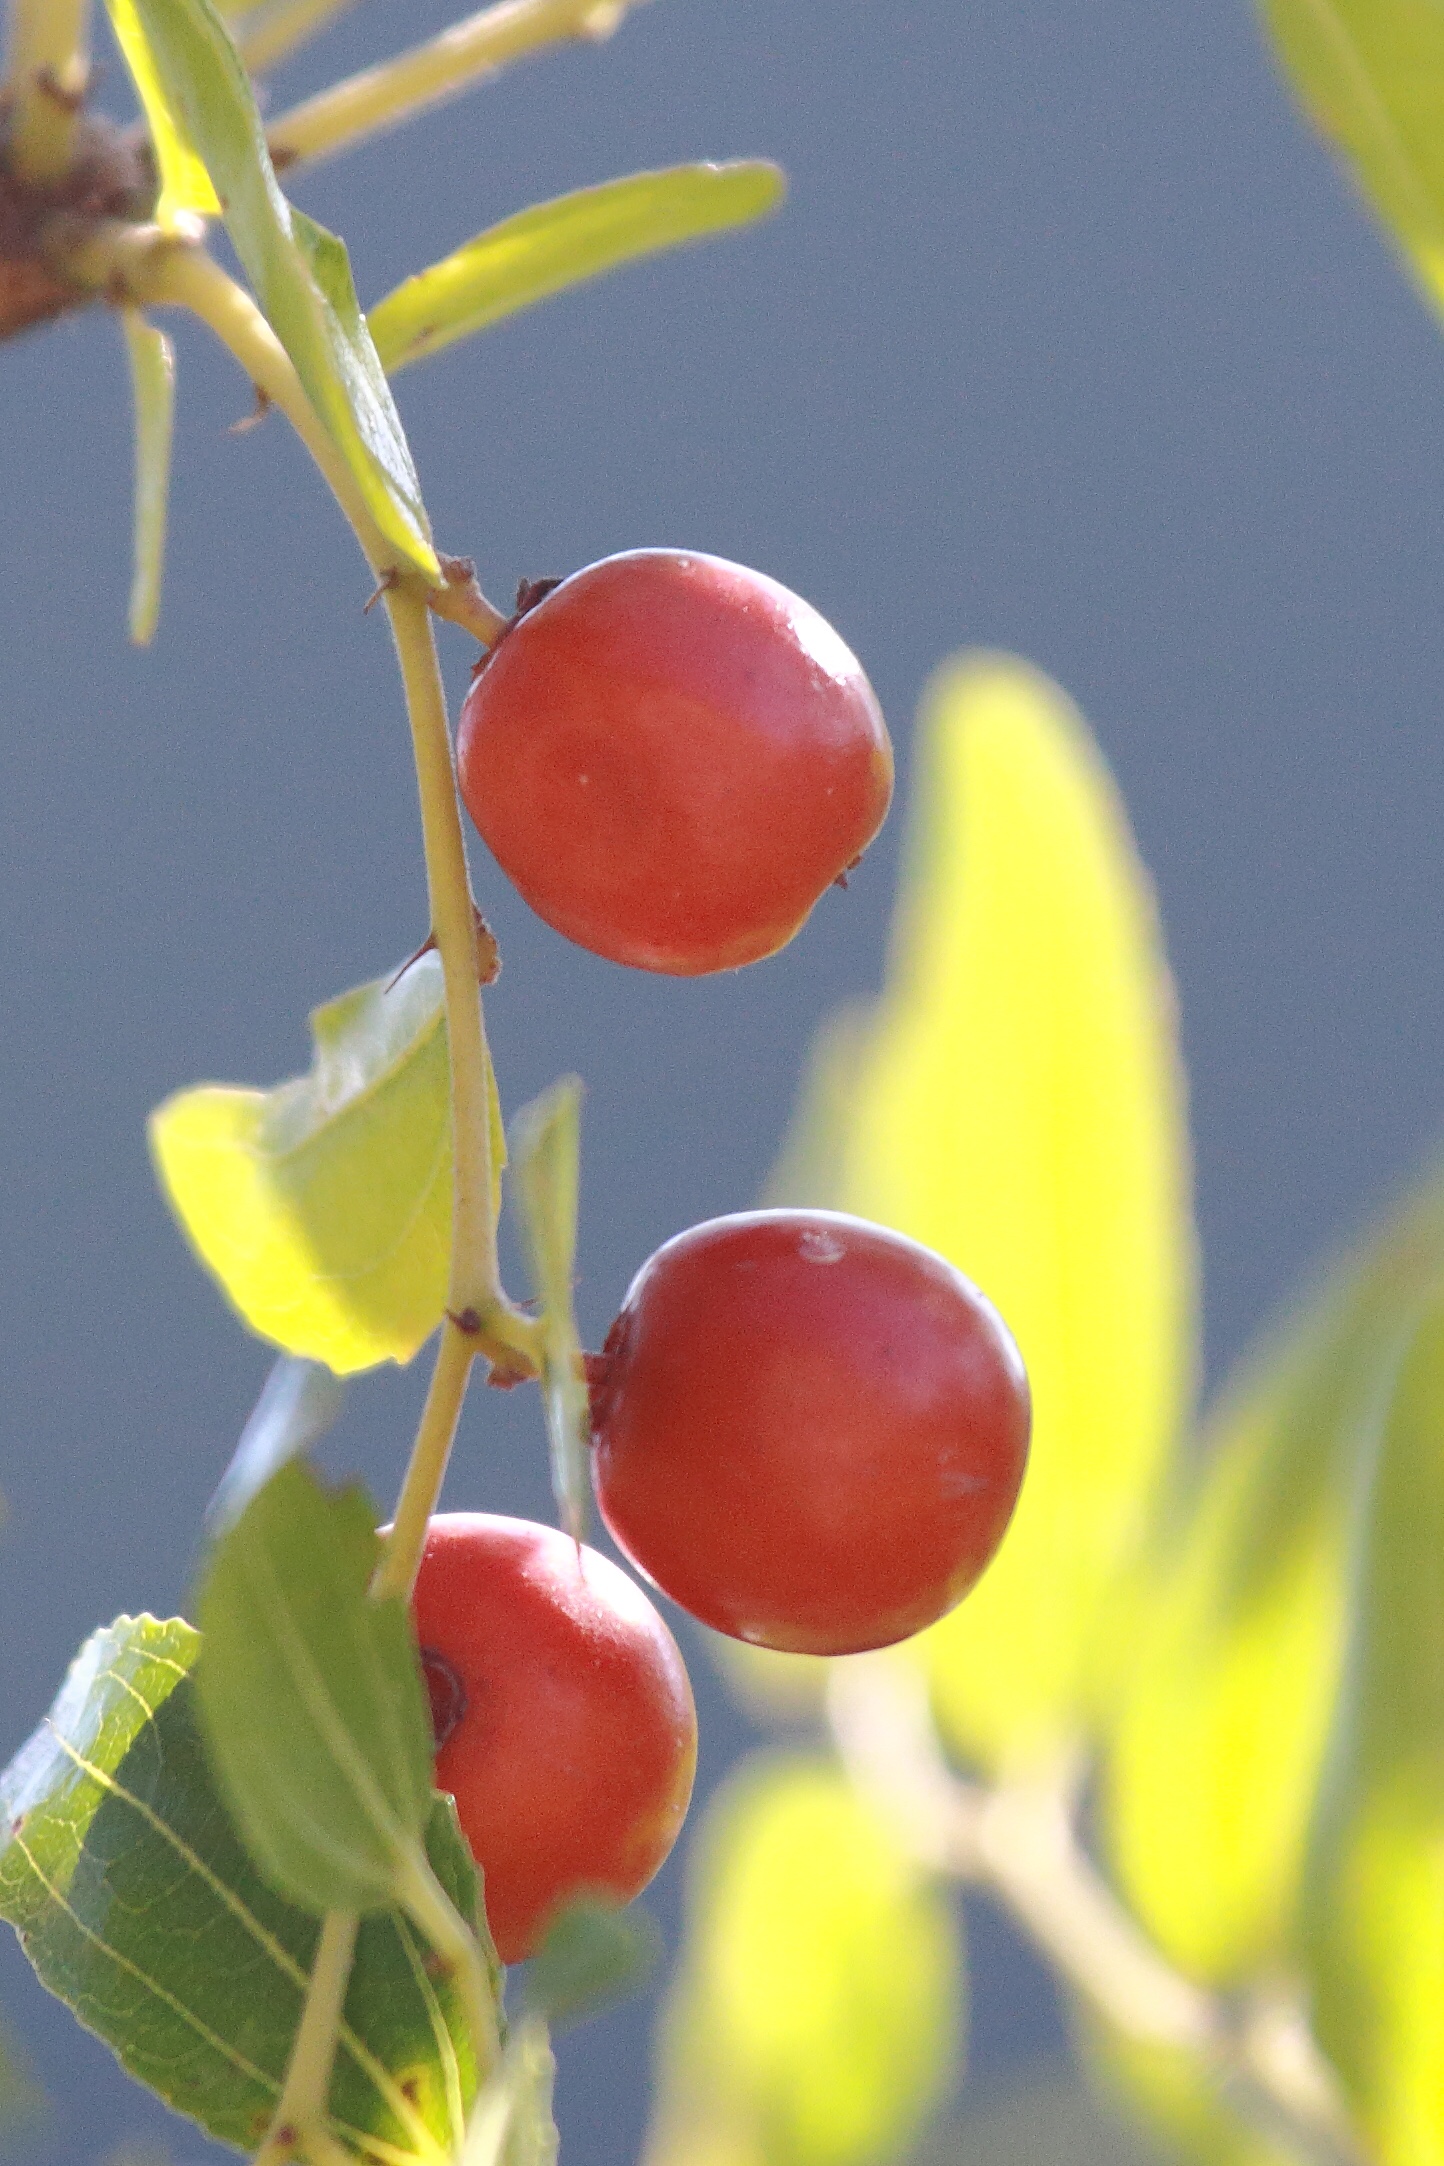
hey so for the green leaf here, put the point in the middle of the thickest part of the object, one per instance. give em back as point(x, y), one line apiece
point(300, 273)
point(815, 2015)
point(1375, 1888)
point(1017, 1104)
point(299, 1402)
point(152, 376)
point(324, 1205)
point(545, 1153)
point(555, 245)
point(140, 1908)
point(1370, 73)
point(311, 1697)
point(593, 1956)
point(1223, 1713)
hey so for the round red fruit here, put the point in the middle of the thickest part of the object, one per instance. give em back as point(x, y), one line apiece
point(672, 757)
point(563, 1717)
point(808, 1431)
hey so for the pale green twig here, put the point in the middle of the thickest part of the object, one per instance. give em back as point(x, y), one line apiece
point(383, 96)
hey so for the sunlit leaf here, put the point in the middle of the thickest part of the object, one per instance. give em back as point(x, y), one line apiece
point(300, 273)
point(311, 1696)
point(816, 2015)
point(554, 245)
point(152, 375)
point(299, 1402)
point(1224, 1709)
point(1374, 1910)
point(1371, 75)
point(140, 1908)
point(545, 1153)
point(185, 185)
point(324, 1206)
point(1017, 1104)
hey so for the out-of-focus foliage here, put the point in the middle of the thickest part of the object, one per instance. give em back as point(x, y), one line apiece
point(1371, 75)
point(815, 2018)
point(1221, 1719)
point(1051, 2122)
point(324, 1206)
point(1016, 1102)
point(1183, 2102)
point(1375, 1891)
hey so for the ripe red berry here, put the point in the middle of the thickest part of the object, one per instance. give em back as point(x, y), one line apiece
point(672, 757)
point(808, 1431)
point(563, 1717)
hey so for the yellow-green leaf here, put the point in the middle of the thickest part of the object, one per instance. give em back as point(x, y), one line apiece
point(1018, 1105)
point(555, 245)
point(1371, 75)
point(300, 273)
point(1374, 1907)
point(1223, 1714)
point(814, 2019)
point(324, 1206)
point(152, 376)
point(185, 185)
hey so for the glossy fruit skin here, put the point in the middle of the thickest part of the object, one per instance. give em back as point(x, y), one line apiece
point(572, 1748)
point(808, 1431)
point(672, 757)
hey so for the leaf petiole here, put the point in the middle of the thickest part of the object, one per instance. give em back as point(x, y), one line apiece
point(397, 89)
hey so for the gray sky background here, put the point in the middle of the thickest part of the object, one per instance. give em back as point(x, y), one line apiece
point(1070, 340)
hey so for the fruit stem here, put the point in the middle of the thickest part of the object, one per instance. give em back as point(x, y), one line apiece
point(1018, 1839)
point(47, 73)
point(427, 1903)
point(394, 91)
point(298, 2124)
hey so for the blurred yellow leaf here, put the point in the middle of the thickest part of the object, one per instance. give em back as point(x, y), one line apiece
point(1371, 75)
point(1018, 1105)
point(185, 185)
point(1223, 1715)
point(324, 1206)
point(1374, 1908)
point(814, 2020)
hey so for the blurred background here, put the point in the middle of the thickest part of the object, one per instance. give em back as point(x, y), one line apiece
point(1069, 340)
